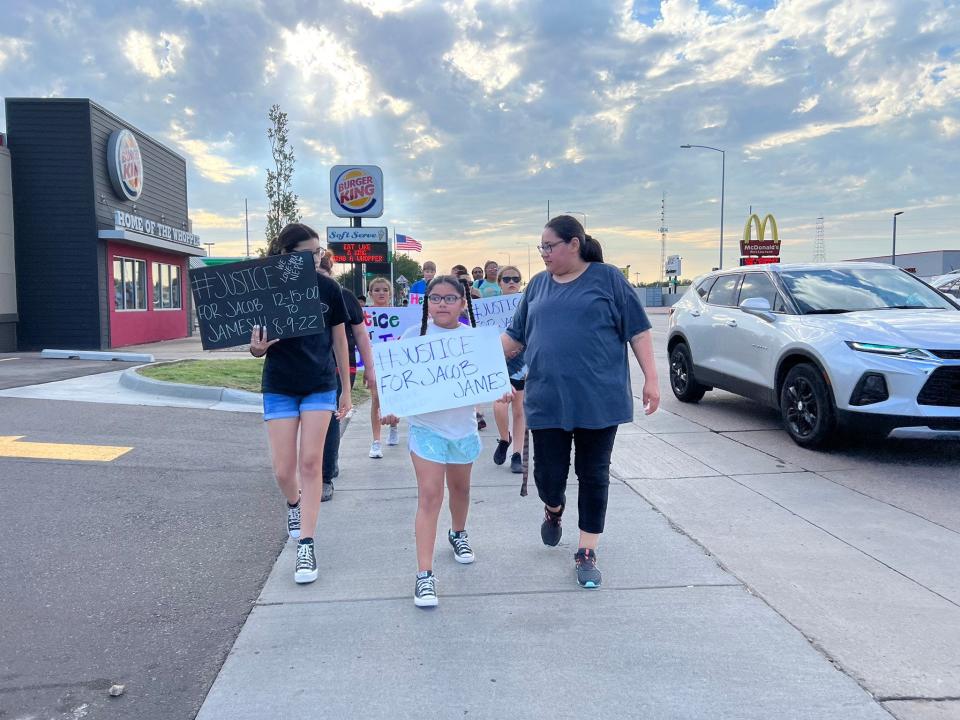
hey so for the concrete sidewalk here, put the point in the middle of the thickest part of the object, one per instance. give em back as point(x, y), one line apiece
point(669, 635)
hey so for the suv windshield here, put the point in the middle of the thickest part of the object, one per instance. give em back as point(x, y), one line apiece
point(838, 290)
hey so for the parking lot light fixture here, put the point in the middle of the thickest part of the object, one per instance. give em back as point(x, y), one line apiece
point(723, 181)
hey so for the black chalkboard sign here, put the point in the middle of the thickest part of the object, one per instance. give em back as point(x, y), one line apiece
point(278, 292)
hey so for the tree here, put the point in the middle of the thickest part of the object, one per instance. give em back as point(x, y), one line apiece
point(282, 200)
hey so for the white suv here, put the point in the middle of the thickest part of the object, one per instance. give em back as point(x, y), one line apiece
point(858, 345)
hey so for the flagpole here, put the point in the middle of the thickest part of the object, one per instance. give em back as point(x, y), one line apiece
point(393, 258)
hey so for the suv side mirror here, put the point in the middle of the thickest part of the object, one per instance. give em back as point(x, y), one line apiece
point(760, 307)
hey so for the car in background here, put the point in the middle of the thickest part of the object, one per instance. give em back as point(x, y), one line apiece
point(843, 345)
point(948, 284)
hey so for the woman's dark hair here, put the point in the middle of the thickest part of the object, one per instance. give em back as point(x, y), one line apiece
point(567, 228)
point(292, 235)
point(460, 270)
point(452, 282)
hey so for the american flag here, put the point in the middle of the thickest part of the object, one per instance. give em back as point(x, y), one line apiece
point(405, 242)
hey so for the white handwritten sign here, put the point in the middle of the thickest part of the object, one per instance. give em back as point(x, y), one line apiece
point(440, 371)
point(388, 323)
point(496, 312)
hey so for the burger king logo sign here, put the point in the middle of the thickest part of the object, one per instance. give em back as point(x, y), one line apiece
point(356, 191)
point(125, 164)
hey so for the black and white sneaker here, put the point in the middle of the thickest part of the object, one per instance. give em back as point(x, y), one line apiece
point(588, 575)
point(516, 463)
point(550, 530)
point(462, 552)
point(293, 520)
point(500, 454)
point(425, 592)
point(306, 571)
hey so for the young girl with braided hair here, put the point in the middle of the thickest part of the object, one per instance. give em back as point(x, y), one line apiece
point(443, 446)
point(381, 295)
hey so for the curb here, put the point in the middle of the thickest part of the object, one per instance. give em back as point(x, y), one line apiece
point(132, 380)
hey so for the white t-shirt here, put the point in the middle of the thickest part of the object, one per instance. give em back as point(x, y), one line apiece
point(453, 424)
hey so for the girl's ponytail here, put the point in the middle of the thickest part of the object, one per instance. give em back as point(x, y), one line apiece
point(590, 250)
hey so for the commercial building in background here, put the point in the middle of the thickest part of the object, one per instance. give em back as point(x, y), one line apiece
point(925, 265)
point(8, 278)
point(103, 235)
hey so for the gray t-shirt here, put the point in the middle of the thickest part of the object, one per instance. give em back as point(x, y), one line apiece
point(576, 336)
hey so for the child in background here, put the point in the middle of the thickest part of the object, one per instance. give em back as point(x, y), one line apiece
point(443, 445)
point(381, 296)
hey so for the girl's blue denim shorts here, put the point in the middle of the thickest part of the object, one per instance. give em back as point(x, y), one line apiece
point(278, 407)
point(435, 448)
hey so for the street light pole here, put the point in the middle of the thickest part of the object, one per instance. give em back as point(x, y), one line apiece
point(723, 182)
point(209, 245)
point(527, 245)
point(893, 252)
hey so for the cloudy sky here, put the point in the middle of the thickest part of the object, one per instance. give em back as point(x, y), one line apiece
point(480, 112)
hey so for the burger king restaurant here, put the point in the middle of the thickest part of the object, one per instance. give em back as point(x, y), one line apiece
point(102, 236)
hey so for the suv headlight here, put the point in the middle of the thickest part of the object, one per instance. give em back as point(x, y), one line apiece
point(890, 350)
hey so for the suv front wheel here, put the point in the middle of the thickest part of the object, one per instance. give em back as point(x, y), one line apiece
point(807, 408)
point(682, 382)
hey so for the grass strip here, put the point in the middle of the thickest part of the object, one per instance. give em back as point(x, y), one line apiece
point(236, 374)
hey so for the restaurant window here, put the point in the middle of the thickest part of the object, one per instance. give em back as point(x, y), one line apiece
point(129, 284)
point(166, 287)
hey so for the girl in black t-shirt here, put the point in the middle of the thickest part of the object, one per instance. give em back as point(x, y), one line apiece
point(299, 387)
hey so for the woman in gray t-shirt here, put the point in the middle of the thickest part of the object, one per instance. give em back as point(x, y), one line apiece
point(574, 324)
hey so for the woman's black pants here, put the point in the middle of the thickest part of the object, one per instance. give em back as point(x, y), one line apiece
point(551, 465)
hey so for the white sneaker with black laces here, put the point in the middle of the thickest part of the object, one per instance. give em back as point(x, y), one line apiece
point(293, 520)
point(425, 592)
point(462, 552)
point(393, 437)
point(306, 571)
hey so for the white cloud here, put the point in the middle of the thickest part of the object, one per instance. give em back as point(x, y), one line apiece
point(949, 127)
point(419, 138)
point(154, 56)
point(321, 55)
point(211, 220)
point(209, 158)
point(379, 8)
point(12, 49)
point(490, 65)
point(807, 104)
point(326, 154)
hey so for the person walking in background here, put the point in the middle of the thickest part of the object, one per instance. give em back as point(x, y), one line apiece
point(357, 339)
point(420, 286)
point(299, 397)
point(574, 324)
point(488, 284)
point(381, 296)
point(509, 281)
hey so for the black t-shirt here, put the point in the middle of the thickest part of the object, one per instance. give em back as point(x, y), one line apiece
point(305, 365)
point(354, 317)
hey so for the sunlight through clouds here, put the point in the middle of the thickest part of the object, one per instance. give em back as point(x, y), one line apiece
point(154, 56)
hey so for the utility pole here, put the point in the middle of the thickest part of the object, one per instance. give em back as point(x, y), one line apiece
point(246, 218)
point(663, 237)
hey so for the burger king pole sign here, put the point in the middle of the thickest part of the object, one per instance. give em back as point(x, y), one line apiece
point(356, 191)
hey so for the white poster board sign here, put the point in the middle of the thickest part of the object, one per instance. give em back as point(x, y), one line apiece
point(440, 371)
point(496, 312)
point(388, 323)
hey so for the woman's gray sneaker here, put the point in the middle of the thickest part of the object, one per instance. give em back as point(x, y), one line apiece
point(550, 530)
point(425, 592)
point(588, 576)
point(462, 552)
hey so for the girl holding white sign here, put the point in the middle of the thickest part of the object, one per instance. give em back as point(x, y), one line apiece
point(509, 280)
point(443, 446)
point(381, 296)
